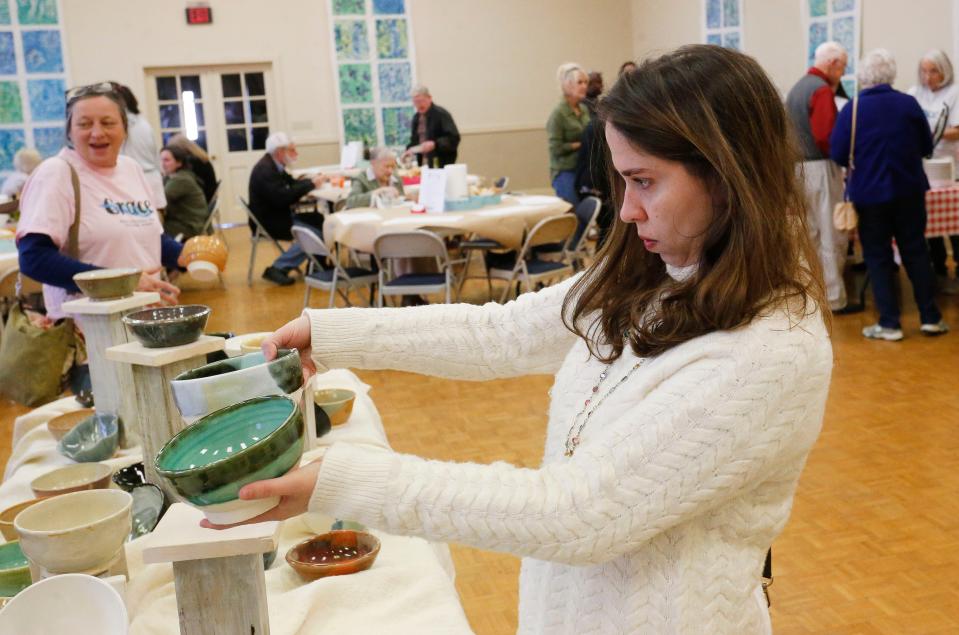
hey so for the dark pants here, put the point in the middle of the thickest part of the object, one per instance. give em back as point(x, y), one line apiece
point(905, 220)
point(937, 251)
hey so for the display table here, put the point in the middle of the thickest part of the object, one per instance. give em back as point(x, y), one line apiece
point(409, 588)
point(505, 222)
point(942, 211)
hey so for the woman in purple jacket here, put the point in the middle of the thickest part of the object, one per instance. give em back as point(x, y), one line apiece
point(888, 186)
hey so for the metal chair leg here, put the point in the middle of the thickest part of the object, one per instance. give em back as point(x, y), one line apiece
point(306, 296)
point(249, 270)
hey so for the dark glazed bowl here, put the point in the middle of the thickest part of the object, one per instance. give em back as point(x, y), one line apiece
point(168, 326)
point(209, 461)
point(334, 553)
point(131, 476)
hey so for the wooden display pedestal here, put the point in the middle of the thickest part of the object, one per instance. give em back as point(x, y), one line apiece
point(218, 575)
point(102, 328)
point(149, 385)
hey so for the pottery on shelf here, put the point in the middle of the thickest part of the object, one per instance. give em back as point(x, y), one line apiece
point(94, 439)
point(205, 257)
point(147, 509)
point(60, 425)
point(72, 478)
point(130, 476)
point(168, 326)
point(78, 532)
point(108, 284)
point(14, 569)
point(331, 407)
point(73, 603)
point(334, 553)
point(203, 390)
point(208, 462)
point(7, 516)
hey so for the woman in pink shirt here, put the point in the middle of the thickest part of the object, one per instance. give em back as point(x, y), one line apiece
point(119, 225)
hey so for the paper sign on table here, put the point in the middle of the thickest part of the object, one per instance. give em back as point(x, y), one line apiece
point(433, 189)
point(350, 154)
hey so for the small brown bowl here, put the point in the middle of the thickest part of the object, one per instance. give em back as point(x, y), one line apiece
point(72, 478)
point(334, 553)
point(7, 516)
point(59, 426)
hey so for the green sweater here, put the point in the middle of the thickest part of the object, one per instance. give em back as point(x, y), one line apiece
point(186, 208)
point(361, 190)
point(564, 129)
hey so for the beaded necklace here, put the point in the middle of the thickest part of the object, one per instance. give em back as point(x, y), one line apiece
point(572, 440)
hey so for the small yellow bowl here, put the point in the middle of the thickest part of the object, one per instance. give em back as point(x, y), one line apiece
point(252, 344)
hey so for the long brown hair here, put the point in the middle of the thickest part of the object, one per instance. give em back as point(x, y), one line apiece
point(714, 111)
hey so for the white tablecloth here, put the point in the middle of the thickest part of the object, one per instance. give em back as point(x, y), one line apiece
point(409, 589)
point(506, 222)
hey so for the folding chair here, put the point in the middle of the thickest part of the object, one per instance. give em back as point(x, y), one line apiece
point(329, 279)
point(527, 268)
point(213, 214)
point(414, 244)
point(574, 251)
point(259, 234)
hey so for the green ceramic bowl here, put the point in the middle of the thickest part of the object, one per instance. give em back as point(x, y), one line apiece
point(14, 569)
point(209, 461)
point(108, 284)
point(168, 326)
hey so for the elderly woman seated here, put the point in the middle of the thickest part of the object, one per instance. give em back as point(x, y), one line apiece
point(377, 181)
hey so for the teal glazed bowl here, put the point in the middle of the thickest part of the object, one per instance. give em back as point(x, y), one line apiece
point(208, 462)
point(168, 326)
point(208, 388)
point(93, 439)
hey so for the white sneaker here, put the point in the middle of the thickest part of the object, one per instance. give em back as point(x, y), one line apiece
point(876, 332)
point(939, 328)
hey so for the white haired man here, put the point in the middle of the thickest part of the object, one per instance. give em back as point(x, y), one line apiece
point(272, 193)
point(812, 107)
point(432, 131)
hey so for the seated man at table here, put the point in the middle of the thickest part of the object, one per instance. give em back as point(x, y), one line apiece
point(378, 182)
point(433, 134)
point(273, 191)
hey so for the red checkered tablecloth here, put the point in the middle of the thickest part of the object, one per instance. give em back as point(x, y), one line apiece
point(942, 211)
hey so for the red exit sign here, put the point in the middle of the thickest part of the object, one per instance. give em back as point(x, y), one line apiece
point(199, 15)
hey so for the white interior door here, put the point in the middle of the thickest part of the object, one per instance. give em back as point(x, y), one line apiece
point(232, 106)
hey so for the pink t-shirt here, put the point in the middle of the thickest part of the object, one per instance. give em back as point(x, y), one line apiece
point(119, 226)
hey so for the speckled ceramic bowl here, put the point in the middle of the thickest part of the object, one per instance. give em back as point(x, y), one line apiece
point(331, 407)
point(14, 569)
point(168, 326)
point(59, 426)
point(208, 462)
point(334, 553)
point(72, 478)
point(75, 532)
point(203, 390)
point(93, 439)
point(108, 284)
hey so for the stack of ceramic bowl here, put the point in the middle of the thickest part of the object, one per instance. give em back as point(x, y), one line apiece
point(82, 532)
point(208, 462)
point(203, 390)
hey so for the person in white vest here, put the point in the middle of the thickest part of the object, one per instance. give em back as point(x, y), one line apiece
point(691, 365)
point(938, 96)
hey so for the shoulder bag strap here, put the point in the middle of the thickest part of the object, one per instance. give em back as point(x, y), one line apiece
point(852, 149)
point(73, 245)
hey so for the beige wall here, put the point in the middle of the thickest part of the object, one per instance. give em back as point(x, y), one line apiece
point(491, 64)
point(774, 32)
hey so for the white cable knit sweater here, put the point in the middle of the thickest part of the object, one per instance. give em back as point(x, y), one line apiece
point(660, 521)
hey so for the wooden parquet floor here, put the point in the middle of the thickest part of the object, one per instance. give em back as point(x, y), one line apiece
point(872, 547)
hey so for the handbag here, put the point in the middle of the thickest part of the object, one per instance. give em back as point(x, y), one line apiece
point(33, 358)
point(844, 213)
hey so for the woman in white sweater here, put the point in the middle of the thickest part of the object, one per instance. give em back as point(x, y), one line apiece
point(691, 369)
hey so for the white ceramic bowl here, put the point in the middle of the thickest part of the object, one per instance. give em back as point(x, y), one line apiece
point(200, 391)
point(73, 603)
point(75, 532)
